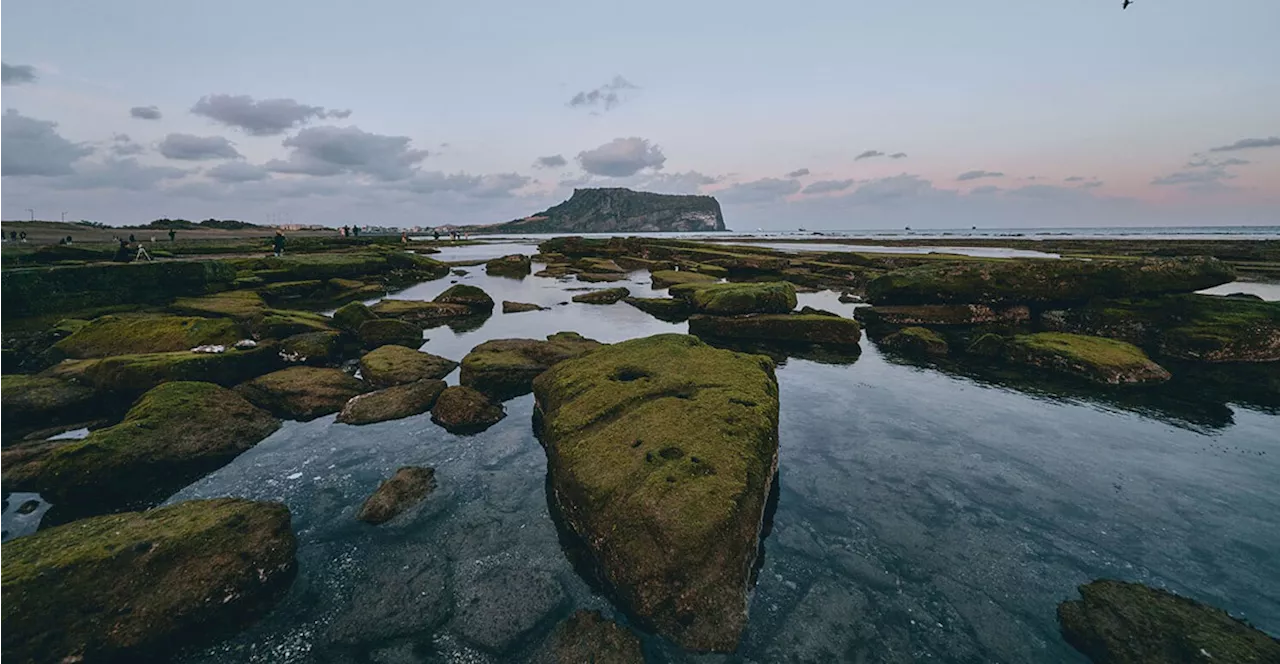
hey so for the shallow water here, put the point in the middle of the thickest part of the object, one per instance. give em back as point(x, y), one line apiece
point(981, 252)
point(1266, 291)
point(921, 515)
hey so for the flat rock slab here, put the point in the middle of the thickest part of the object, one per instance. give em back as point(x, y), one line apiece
point(302, 393)
point(1095, 359)
point(221, 564)
point(391, 403)
point(505, 368)
point(500, 603)
point(395, 365)
point(733, 299)
point(660, 454)
point(794, 328)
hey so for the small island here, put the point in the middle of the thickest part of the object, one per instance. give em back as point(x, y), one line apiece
point(617, 210)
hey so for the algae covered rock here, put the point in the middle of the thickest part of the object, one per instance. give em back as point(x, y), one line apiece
point(471, 297)
point(128, 376)
point(509, 307)
point(28, 403)
point(1096, 359)
point(460, 409)
point(604, 296)
point(666, 309)
point(515, 265)
point(302, 393)
point(394, 365)
point(1128, 623)
point(916, 341)
point(1045, 281)
point(586, 636)
point(128, 334)
point(941, 315)
point(732, 299)
point(398, 493)
point(392, 403)
point(238, 304)
point(175, 434)
point(423, 313)
point(668, 278)
point(352, 315)
point(505, 368)
point(313, 348)
point(281, 323)
point(389, 331)
point(660, 456)
point(812, 328)
point(143, 586)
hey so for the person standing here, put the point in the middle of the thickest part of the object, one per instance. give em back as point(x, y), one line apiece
point(355, 231)
point(278, 243)
point(22, 236)
point(172, 234)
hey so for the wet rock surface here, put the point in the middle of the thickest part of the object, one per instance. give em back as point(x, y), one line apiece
point(389, 332)
point(471, 297)
point(668, 278)
point(351, 316)
point(403, 591)
point(401, 491)
point(509, 307)
point(814, 328)
point(733, 299)
point(462, 410)
point(499, 603)
point(129, 334)
point(504, 368)
point(514, 265)
point(391, 403)
point(32, 402)
point(302, 393)
point(586, 636)
point(1095, 359)
point(916, 341)
point(662, 308)
point(394, 365)
point(603, 296)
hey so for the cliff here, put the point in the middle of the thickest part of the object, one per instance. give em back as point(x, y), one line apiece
point(621, 210)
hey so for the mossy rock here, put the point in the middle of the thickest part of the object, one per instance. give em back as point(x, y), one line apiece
point(987, 345)
point(314, 348)
point(732, 299)
point(604, 296)
point(811, 328)
point(1096, 359)
point(1045, 281)
point(462, 410)
point(916, 341)
point(509, 307)
point(281, 323)
point(293, 290)
point(396, 365)
point(398, 493)
point(415, 311)
point(598, 266)
point(666, 309)
point(351, 316)
point(660, 455)
point(128, 376)
point(145, 586)
point(505, 368)
point(941, 315)
point(302, 393)
point(586, 636)
point(555, 271)
point(36, 291)
point(472, 297)
point(129, 334)
point(389, 331)
point(707, 269)
point(667, 278)
point(515, 265)
point(238, 304)
point(596, 277)
point(30, 403)
point(175, 434)
point(1129, 623)
point(392, 403)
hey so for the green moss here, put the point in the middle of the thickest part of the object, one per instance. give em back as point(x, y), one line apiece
point(394, 365)
point(730, 299)
point(667, 278)
point(796, 328)
point(65, 588)
point(126, 376)
point(1094, 358)
point(941, 314)
point(505, 368)
point(46, 290)
point(239, 304)
point(603, 296)
point(281, 323)
point(389, 331)
point(314, 348)
point(30, 402)
point(147, 333)
point(916, 341)
point(286, 290)
point(663, 308)
point(1131, 623)
point(392, 403)
point(421, 312)
point(469, 296)
point(515, 265)
point(302, 393)
point(350, 316)
point(660, 453)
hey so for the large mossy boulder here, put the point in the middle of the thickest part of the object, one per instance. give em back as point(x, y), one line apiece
point(393, 403)
point(302, 393)
point(732, 299)
point(128, 334)
point(1115, 622)
point(1045, 281)
point(666, 309)
point(389, 331)
point(916, 341)
point(145, 586)
point(128, 376)
point(407, 487)
point(462, 410)
point(787, 328)
point(395, 365)
point(238, 304)
point(422, 313)
point(660, 455)
point(1100, 360)
point(603, 296)
point(175, 434)
point(586, 636)
point(668, 278)
point(352, 315)
point(505, 368)
point(471, 297)
point(31, 403)
point(515, 265)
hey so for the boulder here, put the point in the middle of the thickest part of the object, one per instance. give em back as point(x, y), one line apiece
point(916, 341)
point(462, 410)
point(1096, 359)
point(812, 328)
point(313, 348)
point(392, 403)
point(281, 323)
point(509, 307)
point(667, 278)
point(175, 434)
point(594, 265)
point(129, 334)
point(1129, 623)
point(515, 265)
point(586, 636)
point(941, 314)
point(401, 491)
point(1045, 281)
point(470, 297)
point(661, 452)
point(352, 315)
point(395, 365)
point(505, 368)
point(238, 304)
point(389, 331)
point(605, 296)
point(30, 403)
point(302, 393)
point(419, 312)
point(128, 376)
point(666, 309)
point(145, 586)
point(732, 299)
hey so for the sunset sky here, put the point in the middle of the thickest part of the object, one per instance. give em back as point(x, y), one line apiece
point(827, 115)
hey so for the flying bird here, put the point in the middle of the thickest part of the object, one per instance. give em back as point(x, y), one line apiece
point(1126, 4)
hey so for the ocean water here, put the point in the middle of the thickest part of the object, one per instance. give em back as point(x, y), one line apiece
point(922, 514)
point(1113, 232)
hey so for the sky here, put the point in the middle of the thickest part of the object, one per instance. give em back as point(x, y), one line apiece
point(823, 115)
